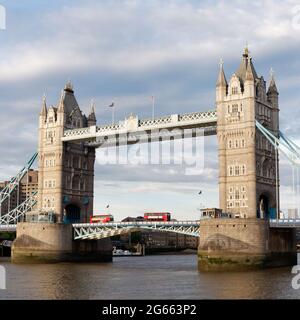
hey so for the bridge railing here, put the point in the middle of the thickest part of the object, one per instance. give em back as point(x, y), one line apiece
point(138, 223)
point(145, 124)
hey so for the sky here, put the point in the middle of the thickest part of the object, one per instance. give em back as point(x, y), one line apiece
point(127, 51)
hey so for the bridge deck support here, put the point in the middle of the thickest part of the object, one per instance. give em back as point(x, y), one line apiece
point(47, 243)
point(235, 244)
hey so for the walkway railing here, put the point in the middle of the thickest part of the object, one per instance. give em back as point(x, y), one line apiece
point(90, 231)
point(133, 124)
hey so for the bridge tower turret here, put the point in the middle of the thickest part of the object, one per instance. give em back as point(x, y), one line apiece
point(272, 96)
point(248, 184)
point(247, 161)
point(66, 170)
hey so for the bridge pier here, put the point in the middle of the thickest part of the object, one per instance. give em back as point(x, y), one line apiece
point(53, 242)
point(237, 244)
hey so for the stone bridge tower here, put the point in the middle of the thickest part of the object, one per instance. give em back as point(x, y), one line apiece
point(248, 163)
point(248, 168)
point(66, 170)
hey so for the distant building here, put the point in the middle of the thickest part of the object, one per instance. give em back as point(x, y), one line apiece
point(168, 240)
point(27, 186)
point(156, 240)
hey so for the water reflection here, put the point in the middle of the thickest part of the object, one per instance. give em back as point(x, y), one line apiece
point(150, 277)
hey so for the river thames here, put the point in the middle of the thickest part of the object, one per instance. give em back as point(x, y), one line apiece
point(149, 277)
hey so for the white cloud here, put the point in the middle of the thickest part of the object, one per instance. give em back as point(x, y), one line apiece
point(136, 36)
point(138, 48)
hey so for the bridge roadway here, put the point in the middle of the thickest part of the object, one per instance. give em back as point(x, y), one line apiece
point(133, 130)
point(90, 231)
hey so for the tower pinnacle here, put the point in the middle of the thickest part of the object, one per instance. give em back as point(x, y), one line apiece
point(92, 116)
point(272, 86)
point(44, 106)
point(249, 70)
point(221, 81)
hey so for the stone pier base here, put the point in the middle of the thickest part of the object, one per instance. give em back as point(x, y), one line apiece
point(238, 244)
point(48, 243)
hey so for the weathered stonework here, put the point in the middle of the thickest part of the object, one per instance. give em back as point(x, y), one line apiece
point(237, 244)
point(247, 161)
point(65, 189)
point(248, 168)
point(48, 243)
point(66, 170)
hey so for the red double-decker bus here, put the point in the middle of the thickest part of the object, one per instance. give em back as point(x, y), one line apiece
point(101, 218)
point(157, 216)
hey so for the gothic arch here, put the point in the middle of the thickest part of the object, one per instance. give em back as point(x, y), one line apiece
point(76, 182)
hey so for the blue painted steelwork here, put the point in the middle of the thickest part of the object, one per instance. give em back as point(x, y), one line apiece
point(14, 182)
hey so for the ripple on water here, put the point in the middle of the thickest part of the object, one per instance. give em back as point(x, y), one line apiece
point(150, 277)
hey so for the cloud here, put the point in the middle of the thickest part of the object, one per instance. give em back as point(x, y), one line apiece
point(126, 51)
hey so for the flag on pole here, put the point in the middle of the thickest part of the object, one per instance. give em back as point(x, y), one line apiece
point(112, 105)
point(152, 99)
point(107, 206)
point(200, 192)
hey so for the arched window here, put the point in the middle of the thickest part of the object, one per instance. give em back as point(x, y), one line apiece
point(82, 184)
point(237, 194)
point(75, 182)
point(235, 108)
point(265, 168)
point(75, 162)
point(237, 170)
point(243, 169)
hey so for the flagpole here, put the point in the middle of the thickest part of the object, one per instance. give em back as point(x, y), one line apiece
point(113, 115)
point(152, 107)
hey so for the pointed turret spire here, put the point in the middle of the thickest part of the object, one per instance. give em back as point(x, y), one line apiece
point(221, 82)
point(92, 116)
point(249, 76)
point(61, 106)
point(44, 106)
point(67, 101)
point(246, 59)
point(272, 86)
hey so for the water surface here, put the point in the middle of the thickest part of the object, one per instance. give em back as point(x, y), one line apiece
point(150, 277)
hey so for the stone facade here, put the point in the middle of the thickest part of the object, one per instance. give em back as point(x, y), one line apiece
point(47, 243)
point(227, 244)
point(248, 178)
point(247, 161)
point(66, 170)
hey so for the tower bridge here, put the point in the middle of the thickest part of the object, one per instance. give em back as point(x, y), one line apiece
point(246, 123)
